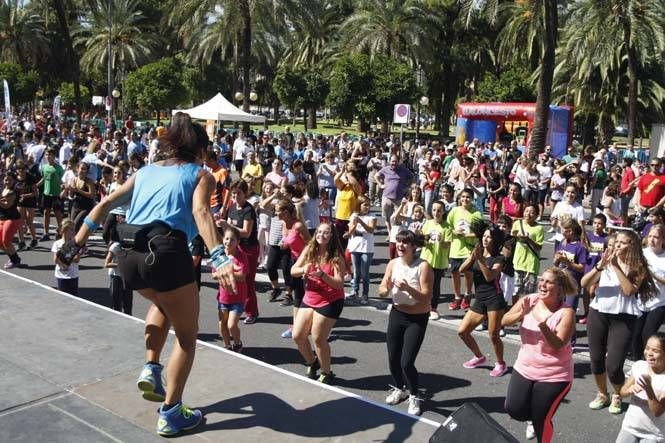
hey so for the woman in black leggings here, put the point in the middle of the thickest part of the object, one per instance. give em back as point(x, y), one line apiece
point(653, 309)
point(621, 275)
point(408, 280)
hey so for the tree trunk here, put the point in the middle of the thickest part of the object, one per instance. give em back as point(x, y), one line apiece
point(304, 118)
point(589, 130)
point(276, 111)
point(539, 131)
point(450, 91)
point(294, 116)
point(632, 82)
point(311, 115)
point(158, 115)
point(59, 7)
point(236, 64)
point(246, 54)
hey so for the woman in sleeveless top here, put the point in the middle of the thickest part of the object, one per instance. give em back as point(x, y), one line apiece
point(543, 372)
point(294, 238)
point(408, 281)
point(10, 220)
point(82, 192)
point(172, 199)
point(323, 267)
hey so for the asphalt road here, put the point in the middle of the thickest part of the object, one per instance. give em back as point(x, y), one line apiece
point(359, 350)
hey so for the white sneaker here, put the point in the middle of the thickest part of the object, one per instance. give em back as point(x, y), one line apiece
point(502, 332)
point(530, 432)
point(396, 395)
point(550, 230)
point(434, 315)
point(414, 405)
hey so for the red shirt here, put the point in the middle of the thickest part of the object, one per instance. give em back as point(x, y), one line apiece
point(627, 177)
point(240, 264)
point(319, 293)
point(652, 189)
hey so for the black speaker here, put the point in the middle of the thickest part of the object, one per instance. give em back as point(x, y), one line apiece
point(471, 424)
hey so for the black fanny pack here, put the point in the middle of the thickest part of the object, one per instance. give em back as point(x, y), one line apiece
point(137, 236)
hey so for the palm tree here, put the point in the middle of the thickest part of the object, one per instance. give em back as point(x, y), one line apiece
point(63, 22)
point(546, 21)
point(22, 33)
point(131, 45)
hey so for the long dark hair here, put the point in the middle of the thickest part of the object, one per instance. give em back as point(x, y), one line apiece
point(334, 251)
point(184, 140)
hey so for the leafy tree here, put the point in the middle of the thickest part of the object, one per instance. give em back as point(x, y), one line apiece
point(289, 85)
point(68, 95)
point(156, 86)
point(351, 89)
point(393, 83)
point(313, 95)
point(512, 85)
point(23, 84)
point(22, 34)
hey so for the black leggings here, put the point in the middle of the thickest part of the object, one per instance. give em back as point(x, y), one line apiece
point(404, 337)
point(646, 326)
point(279, 258)
point(436, 289)
point(121, 297)
point(609, 341)
point(536, 401)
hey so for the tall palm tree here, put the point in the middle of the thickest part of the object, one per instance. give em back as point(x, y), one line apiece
point(73, 59)
point(22, 33)
point(548, 21)
point(131, 44)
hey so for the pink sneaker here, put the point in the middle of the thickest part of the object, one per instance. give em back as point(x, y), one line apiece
point(499, 370)
point(474, 362)
point(582, 321)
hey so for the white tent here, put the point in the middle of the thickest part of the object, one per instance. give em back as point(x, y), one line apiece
point(219, 108)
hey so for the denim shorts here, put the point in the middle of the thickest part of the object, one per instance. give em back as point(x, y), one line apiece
point(238, 308)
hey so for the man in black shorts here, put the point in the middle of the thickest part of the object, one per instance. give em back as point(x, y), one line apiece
point(52, 181)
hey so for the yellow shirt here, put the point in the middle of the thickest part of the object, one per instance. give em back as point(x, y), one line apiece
point(255, 171)
point(346, 203)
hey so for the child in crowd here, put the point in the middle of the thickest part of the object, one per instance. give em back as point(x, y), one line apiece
point(597, 245)
point(530, 237)
point(397, 223)
point(121, 297)
point(231, 305)
point(417, 219)
point(325, 206)
point(361, 247)
point(437, 235)
point(644, 420)
point(66, 268)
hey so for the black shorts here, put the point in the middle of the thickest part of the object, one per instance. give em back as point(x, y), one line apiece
point(456, 263)
point(30, 202)
point(298, 286)
point(331, 310)
point(165, 266)
point(52, 202)
point(487, 303)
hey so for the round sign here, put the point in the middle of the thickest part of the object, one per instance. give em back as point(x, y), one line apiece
point(402, 110)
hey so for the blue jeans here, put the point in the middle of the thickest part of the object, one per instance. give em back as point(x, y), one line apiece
point(361, 262)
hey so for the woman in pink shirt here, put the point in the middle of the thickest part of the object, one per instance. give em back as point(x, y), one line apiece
point(543, 372)
point(323, 267)
point(513, 204)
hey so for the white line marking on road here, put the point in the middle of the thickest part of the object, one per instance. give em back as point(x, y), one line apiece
point(88, 424)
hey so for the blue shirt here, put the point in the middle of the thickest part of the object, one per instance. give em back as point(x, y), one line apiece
point(165, 193)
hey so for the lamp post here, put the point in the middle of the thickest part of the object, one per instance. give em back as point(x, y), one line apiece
point(109, 73)
point(115, 94)
point(419, 80)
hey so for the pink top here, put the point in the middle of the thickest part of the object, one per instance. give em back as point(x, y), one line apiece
point(294, 242)
point(511, 208)
point(275, 178)
point(319, 293)
point(240, 264)
point(537, 360)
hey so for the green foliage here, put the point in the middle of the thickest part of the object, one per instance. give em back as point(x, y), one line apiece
point(394, 82)
point(23, 84)
point(289, 85)
point(203, 82)
point(513, 85)
point(66, 91)
point(156, 86)
point(315, 91)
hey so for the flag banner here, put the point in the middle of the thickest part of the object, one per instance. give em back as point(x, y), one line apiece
point(8, 105)
point(56, 107)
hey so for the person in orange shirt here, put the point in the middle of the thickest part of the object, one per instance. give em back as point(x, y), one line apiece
point(220, 194)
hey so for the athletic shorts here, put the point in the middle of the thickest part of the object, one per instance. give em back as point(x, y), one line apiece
point(456, 263)
point(298, 286)
point(487, 303)
point(52, 202)
point(238, 308)
point(30, 202)
point(165, 266)
point(331, 310)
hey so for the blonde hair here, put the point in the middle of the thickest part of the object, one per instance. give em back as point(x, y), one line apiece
point(66, 223)
point(566, 284)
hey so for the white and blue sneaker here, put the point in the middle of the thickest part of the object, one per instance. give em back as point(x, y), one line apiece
point(150, 382)
point(177, 419)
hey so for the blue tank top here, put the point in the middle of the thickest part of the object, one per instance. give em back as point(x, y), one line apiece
point(165, 193)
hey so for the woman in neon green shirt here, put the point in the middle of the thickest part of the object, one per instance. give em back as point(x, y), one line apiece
point(437, 235)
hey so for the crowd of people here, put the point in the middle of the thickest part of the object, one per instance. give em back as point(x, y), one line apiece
point(312, 207)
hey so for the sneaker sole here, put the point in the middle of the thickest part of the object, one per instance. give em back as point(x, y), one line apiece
point(189, 428)
point(149, 391)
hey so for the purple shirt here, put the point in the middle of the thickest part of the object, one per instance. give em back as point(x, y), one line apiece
point(576, 253)
point(396, 182)
point(597, 245)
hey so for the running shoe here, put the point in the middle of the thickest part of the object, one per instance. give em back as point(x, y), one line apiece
point(414, 405)
point(474, 362)
point(45, 237)
point(326, 378)
point(582, 321)
point(33, 243)
point(465, 303)
point(177, 419)
point(434, 315)
point(237, 347)
point(10, 265)
point(312, 369)
point(601, 401)
point(455, 305)
point(615, 404)
point(396, 395)
point(274, 294)
point(288, 333)
point(481, 327)
point(250, 320)
point(502, 332)
point(287, 301)
point(150, 382)
point(21, 246)
point(530, 433)
point(364, 301)
point(499, 370)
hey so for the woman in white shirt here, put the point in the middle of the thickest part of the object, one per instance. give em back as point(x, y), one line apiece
point(622, 273)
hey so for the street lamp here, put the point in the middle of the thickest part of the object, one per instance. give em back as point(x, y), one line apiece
point(239, 96)
point(422, 102)
point(253, 96)
point(109, 51)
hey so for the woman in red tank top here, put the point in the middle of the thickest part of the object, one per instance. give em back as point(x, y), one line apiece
point(322, 265)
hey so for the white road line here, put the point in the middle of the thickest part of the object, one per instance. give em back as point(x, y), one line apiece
point(90, 425)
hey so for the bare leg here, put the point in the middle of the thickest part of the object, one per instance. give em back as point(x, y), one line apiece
point(301, 329)
point(469, 323)
point(321, 327)
point(493, 327)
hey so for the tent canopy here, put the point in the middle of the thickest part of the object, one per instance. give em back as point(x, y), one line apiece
point(219, 108)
